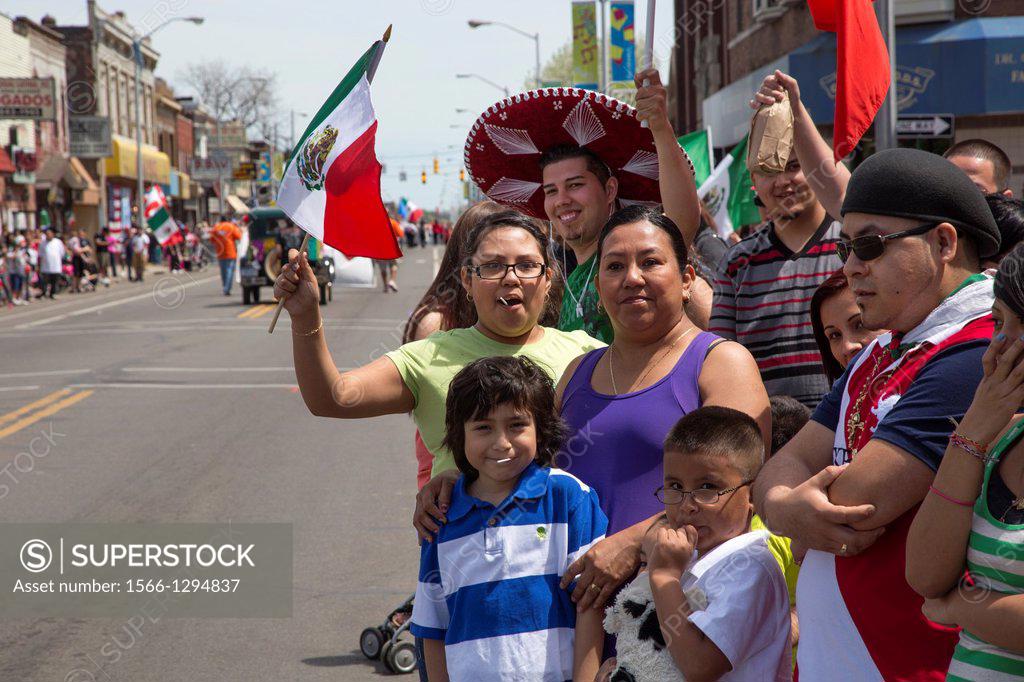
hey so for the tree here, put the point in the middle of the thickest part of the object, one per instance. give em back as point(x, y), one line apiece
point(235, 93)
point(557, 68)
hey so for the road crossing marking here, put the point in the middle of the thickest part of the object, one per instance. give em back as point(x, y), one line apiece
point(45, 412)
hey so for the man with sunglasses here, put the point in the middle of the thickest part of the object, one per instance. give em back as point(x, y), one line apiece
point(848, 485)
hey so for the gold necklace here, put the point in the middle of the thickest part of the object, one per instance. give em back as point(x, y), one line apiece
point(611, 353)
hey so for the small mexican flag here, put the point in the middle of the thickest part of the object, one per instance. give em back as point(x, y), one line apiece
point(727, 195)
point(698, 147)
point(331, 185)
point(157, 216)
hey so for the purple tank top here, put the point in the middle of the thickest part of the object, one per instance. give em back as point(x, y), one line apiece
point(615, 441)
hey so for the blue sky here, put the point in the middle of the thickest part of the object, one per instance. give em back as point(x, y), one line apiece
point(310, 44)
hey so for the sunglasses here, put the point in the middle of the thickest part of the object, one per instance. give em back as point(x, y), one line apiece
point(871, 246)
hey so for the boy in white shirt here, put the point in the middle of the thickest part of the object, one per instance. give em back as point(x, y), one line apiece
point(719, 595)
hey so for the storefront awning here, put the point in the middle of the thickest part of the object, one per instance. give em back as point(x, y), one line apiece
point(965, 68)
point(6, 165)
point(236, 204)
point(51, 172)
point(78, 178)
point(156, 165)
point(185, 185)
point(969, 67)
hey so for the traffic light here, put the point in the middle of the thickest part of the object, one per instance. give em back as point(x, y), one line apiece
point(462, 175)
point(423, 177)
point(437, 167)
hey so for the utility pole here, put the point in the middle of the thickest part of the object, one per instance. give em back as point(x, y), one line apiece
point(603, 52)
point(885, 121)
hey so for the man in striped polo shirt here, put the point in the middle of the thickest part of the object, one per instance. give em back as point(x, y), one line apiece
point(764, 284)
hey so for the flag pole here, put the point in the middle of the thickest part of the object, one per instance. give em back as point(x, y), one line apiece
point(649, 47)
point(370, 72)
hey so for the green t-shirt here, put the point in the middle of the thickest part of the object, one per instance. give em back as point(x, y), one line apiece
point(429, 365)
point(579, 304)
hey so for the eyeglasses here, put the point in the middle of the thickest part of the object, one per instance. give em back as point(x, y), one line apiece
point(525, 270)
point(871, 246)
point(703, 496)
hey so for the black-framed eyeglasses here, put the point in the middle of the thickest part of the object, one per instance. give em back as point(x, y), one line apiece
point(525, 270)
point(703, 496)
point(871, 246)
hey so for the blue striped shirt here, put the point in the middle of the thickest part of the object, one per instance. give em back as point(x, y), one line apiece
point(488, 584)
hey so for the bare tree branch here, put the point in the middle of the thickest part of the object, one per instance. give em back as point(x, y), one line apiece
point(236, 93)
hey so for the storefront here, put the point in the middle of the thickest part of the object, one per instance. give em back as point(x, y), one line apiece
point(65, 193)
point(122, 179)
point(972, 69)
point(18, 205)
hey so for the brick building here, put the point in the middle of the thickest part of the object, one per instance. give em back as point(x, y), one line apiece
point(950, 60)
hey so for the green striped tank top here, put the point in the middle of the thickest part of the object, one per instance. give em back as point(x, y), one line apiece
point(995, 558)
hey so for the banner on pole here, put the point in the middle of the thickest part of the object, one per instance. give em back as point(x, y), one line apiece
point(584, 45)
point(622, 45)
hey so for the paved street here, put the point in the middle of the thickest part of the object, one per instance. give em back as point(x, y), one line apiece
point(168, 402)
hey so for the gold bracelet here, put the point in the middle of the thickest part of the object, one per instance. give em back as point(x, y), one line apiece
point(318, 328)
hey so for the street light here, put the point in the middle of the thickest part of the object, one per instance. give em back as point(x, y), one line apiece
point(137, 52)
point(485, 80)
point(535, 37)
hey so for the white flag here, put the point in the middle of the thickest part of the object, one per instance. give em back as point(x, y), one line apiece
point(715, 195)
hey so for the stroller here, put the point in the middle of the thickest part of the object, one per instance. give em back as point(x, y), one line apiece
point(383, 641)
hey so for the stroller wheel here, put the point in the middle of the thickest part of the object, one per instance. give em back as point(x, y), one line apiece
point(370, 642)
point(401, 658)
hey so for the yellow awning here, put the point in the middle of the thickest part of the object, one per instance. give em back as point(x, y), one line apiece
point(156, 165)
point(184, 185)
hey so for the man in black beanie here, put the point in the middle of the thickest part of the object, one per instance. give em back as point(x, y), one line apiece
point(914, 230)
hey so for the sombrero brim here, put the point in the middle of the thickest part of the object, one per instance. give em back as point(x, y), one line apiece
point(505, 144)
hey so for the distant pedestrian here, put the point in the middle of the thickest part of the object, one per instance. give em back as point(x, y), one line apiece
point(51, 258)
point(140, 249)
point(224, 235)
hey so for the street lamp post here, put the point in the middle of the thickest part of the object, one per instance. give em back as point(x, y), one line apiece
point(535, 37)
point(137, 51)
point(485, 80)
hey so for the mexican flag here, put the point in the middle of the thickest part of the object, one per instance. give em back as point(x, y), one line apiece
point(698, 147)
point(727, 193)
point(331, 184)
point(157, 216)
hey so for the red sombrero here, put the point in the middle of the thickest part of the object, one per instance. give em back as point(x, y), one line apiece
point(505, 144)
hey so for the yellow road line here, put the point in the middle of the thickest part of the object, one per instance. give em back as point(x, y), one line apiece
point(31, 406)
point(256, 311)
point(42, 414)
point(264, 310)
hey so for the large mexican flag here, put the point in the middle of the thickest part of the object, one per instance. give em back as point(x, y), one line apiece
point(157, 216)
point(331, 185)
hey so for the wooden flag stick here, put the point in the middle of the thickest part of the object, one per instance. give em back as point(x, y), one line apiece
point(371, 71)
point(649, 47)
point(280, 304)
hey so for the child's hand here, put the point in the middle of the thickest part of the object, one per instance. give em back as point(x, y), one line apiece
point(938, 610)
point(672, 550)
point(604, 674)
point(650, 537)
point(999, 392)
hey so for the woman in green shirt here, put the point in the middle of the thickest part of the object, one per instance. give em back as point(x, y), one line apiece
point(508, 278)
point(973, 516)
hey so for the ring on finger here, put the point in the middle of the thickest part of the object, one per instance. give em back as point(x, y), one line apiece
point(594, 586)
point(842, 550)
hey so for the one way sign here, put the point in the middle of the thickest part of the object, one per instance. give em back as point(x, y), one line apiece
point(925, 125)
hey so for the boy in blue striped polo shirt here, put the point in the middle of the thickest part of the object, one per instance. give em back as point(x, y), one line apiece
point(488, 604)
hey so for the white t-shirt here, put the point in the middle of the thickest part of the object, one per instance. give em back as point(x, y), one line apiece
point(52, 256)
point(747, 612)
point(140, 242)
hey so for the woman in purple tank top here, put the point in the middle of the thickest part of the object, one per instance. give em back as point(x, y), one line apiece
point(621, 401)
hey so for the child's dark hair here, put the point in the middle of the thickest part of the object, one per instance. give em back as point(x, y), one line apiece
point(483, 385)
point(788, 416)
point(720, 432)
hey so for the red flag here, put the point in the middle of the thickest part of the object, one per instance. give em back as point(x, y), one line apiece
point(862, 67)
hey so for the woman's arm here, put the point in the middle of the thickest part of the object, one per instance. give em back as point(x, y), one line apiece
point(433, 656)
point(937, 543)
point(730, 378)
point(369, 391)
point(564, 381)
point(588, 645)
point(995, 618)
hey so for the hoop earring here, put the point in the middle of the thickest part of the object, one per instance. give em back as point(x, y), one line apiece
point(600, 307)
point(469, 296)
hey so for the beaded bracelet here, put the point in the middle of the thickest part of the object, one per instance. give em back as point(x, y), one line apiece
point(971, 447)
point(948, 498)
